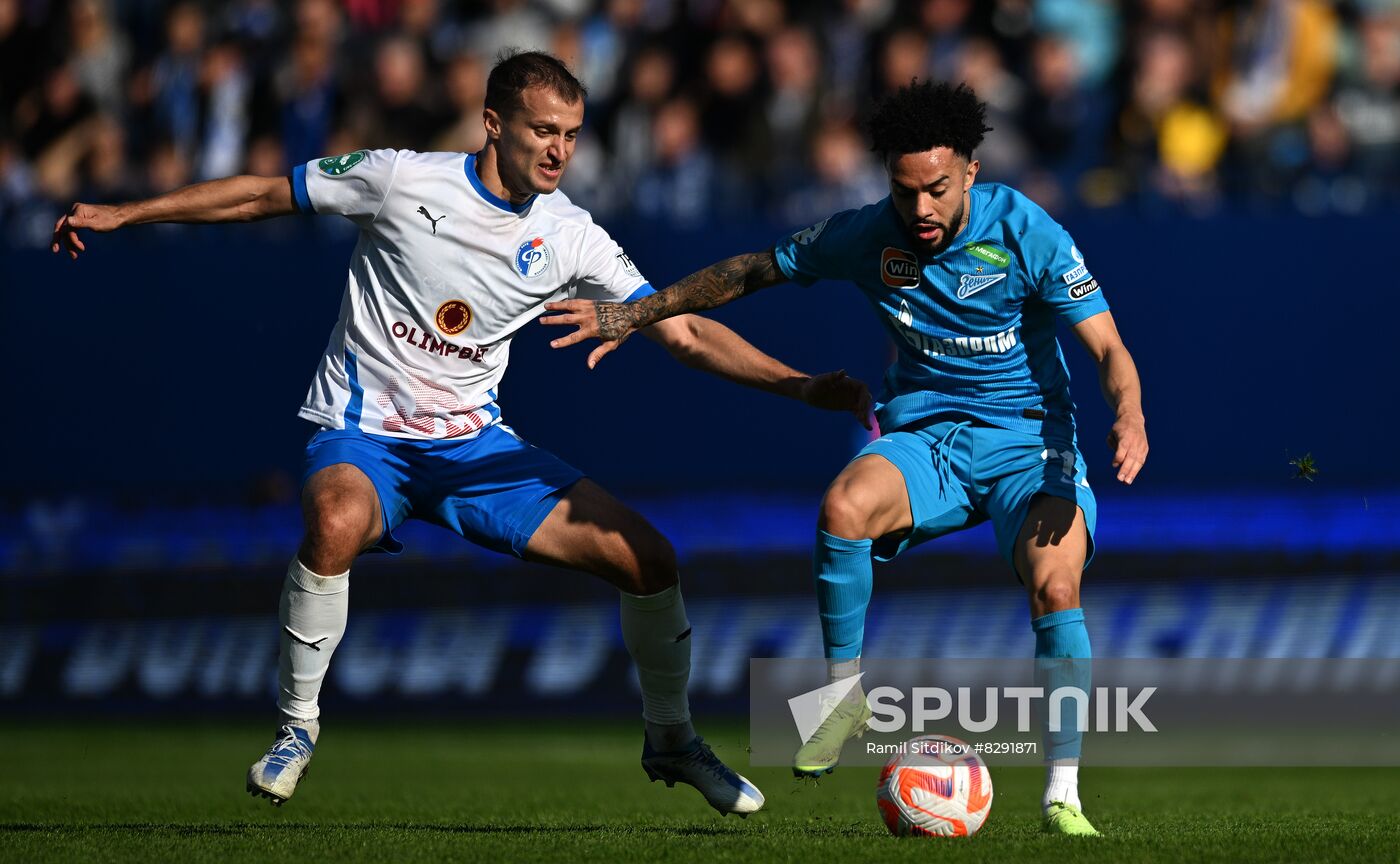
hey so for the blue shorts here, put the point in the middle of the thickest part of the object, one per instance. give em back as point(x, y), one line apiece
point(493, 489)
point(959, 475)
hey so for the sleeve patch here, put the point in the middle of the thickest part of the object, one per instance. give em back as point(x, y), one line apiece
point(1083, 289)
point(334, 166)
point(807, 235)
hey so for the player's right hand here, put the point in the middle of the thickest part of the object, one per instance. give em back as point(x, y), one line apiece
point(96, 217)
point(585, 315)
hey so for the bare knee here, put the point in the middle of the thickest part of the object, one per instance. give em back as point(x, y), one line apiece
point(647, 566)
point(846, 512)
point(339, 523)
point(1055, 591)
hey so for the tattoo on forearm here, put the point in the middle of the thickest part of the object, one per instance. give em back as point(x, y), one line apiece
point(714, 286)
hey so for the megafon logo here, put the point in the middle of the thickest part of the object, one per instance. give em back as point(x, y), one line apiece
point(898, 268)
point(810, 710)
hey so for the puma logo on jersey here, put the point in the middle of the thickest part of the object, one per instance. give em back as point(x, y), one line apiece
point(969, 284)
point(428, 216)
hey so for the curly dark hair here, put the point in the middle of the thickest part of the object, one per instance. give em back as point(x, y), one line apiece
point(925, 115)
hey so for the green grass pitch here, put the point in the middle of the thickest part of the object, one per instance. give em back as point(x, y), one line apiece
point(537, 791)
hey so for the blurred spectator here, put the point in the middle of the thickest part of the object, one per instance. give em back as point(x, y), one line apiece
point(947, 25)
point(604, 40)
point(20, 45)
point(464, 84)
point(847, 35)
point(301, 103)
point(1004, 154)
point(794, 106)
point(1064, 120)
point(99, 53)
point(1368, 104)
point(508, 24)
point(57, 108)
point(732, 119)
point(903, 58)
point(702, 109)
point(401, 114)
point(1169, 140)
point(651, 80)
point(680, 186)
point(224, 90)
point(109, 175)
point(1089, 29)
point(170, 87)
point(1279, 65)
point(758, 18)
point(844, 176)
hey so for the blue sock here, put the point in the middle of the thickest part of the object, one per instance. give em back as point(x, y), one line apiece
point(1061, 637)
point(844, 576)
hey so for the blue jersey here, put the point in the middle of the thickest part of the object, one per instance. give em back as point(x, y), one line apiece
point(974, 327)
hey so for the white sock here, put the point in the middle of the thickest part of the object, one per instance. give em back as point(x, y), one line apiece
point(657, 635)
point(839, 670)
point(1061, 783)
point(313, 613)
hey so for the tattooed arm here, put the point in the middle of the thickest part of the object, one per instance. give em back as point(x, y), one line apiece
point(708, 345)
point(714, 286)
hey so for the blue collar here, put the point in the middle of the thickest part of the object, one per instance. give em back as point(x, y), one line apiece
point(490, 197)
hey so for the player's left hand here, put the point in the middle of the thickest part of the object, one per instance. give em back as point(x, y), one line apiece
point(583, 314)
point(837, 391)
point(1128, 441)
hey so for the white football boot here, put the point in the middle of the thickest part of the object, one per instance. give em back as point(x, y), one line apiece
point(697, 765)
point(276, 774)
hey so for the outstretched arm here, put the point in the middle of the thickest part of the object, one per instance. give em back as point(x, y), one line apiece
point(232, 199)
point(712, 347)
point(714, 286)
point(1122, 390)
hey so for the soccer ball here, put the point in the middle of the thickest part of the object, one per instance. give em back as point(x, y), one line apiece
point(938, 787)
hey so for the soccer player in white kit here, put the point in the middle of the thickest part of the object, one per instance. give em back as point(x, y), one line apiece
point(456, 253)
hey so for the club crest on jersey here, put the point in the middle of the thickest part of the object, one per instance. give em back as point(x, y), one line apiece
point(1079, 271)
point(532, 258)
point(453, 317)
point(899, 269)
point(969, 284)
point(334, 166)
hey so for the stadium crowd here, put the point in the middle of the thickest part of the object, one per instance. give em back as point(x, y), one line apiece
point(701, 110)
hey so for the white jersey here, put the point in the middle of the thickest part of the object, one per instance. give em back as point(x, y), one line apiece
point(442, 277)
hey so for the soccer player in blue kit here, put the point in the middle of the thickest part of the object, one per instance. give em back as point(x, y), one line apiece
point(976, 416)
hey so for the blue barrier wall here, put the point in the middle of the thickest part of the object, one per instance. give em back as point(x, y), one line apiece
point(174, 358)
point(568, 658)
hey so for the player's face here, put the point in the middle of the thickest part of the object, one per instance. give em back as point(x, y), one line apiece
point(535, 141)
point(929, 191)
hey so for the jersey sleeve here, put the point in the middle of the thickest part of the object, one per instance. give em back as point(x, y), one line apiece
point(354, 185)
point(823, 251)
point(1057, 269)
point(605, 272)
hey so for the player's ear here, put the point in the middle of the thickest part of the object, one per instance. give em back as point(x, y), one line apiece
point(492, 121)
point(971, 174)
